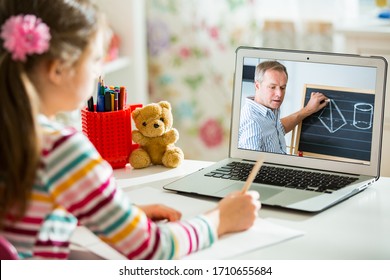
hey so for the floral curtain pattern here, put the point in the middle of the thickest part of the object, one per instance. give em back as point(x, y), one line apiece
point(191, 48)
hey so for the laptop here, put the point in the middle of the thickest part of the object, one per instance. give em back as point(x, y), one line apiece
point(330, 156)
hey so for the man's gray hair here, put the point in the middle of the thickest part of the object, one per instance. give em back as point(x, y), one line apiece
point(268, 65)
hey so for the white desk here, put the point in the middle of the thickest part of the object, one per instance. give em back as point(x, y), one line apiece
point(358, 228)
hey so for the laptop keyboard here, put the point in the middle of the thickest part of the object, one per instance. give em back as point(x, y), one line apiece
point(284, 177)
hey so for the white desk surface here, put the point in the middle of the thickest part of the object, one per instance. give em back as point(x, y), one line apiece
point(358, 228)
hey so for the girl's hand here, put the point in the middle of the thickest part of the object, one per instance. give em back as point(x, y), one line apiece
point(158, 212)
point(235, 212)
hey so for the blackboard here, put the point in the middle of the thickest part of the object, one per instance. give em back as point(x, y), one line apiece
point(248, 73)
point(343, 129)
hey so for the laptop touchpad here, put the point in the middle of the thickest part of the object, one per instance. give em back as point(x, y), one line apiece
point(265, 192)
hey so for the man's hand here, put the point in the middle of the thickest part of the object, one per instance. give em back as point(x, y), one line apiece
point(317, 102)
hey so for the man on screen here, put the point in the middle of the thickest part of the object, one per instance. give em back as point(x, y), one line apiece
point(261, 127)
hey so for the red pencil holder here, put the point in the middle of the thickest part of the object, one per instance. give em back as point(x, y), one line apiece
point(110, 133)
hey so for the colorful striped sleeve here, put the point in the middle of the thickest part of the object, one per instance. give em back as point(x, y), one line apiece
point(79, 180)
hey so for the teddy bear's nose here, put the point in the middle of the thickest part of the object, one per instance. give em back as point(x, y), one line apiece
point(156, 125)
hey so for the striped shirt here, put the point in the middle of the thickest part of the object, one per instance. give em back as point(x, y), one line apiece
point(261, 129)
point(75, 186)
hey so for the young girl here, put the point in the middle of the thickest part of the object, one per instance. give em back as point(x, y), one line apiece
point(51, 177)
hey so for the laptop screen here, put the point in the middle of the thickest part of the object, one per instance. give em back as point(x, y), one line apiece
point(344, 135)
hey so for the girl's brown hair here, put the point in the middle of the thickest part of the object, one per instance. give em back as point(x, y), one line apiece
point(72, 24)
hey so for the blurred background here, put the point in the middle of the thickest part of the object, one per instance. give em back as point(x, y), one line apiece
point(183, 52)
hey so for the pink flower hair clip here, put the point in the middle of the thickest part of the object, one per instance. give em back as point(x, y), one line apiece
point(25, 35)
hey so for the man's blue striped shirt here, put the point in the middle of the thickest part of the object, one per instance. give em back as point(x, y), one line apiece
point(261, 129)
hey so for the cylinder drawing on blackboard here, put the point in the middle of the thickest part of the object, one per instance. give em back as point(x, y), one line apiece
point(331, 117)
point(362, 115)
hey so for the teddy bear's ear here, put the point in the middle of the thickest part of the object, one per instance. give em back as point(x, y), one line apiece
point(165, 104)
point(135, 113)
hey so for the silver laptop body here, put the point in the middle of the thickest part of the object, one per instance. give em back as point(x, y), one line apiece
point(356, 85)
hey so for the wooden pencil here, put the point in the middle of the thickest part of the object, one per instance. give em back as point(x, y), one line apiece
point(252, 175)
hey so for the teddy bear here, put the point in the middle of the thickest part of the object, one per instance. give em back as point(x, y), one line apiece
point(155, 136)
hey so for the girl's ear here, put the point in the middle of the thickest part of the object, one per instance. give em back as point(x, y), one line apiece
point(57, 71)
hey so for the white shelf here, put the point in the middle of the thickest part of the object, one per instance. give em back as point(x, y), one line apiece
point(117, 64)
point(127, 19)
